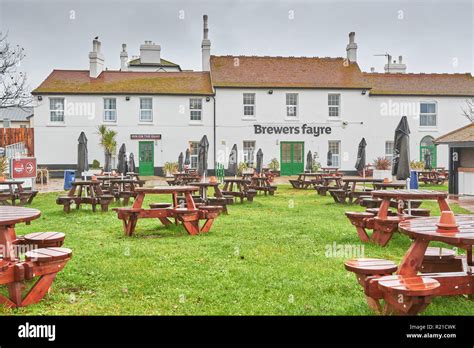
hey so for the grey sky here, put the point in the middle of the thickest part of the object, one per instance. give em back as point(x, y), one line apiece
point(433, 36)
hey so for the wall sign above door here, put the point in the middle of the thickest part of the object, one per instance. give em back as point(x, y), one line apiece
point(304, 129)
point(145, 136)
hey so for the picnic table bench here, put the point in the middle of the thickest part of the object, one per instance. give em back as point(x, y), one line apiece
point(411, 288)
point(305, 180)
point(262, 183)
point(183, 178)
point(217, 200)
point(431, 177)
point(328, 182)
point(12, 191)
point(385, 224)
point(188, 214)
point(123, 189)
point(348, 191)
point(43, 259)
point(85, 192)
point(238, 188)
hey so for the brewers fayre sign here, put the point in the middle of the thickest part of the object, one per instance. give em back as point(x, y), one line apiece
point(145, 136)
point(304, 129)
point(23, 168)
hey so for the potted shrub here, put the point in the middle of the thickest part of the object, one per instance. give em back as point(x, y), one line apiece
point(382, 168)
point(95, 168)
point(3, 167)
point(417, 166)
point(242, 168)
point(274, 166)
point(170, 168)
point(316, 167)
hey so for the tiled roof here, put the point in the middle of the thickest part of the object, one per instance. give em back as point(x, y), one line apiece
point(16, 114)
point(460, 135)
point(420, 84)
point(291, 72)
point(126, 82)
point(163, 63)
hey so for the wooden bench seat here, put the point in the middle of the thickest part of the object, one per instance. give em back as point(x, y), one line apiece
point(44, 255)
point(375, 211)
point(160, 205)
point(295, 183)
point(438, 259)
point(407, 295)
point(385, 228)
point(418, 212)
point(44, 239)
point(367, 271)
point(370, 202)
point(322, 189)
point(355, 196)
point(339, 195)
point(361, 221)
point(229, 199)
point(220, 202)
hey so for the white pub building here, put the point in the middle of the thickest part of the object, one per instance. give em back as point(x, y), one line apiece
point(284, 105)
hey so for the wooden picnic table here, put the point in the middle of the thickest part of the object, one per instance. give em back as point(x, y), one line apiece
point(385, 225)
point(306, 180)
point(204, 186)
point(388, 185)
point(238, 188)
point(12, 190)
point(85, 192)
point(189, 215)
point(328, 182)
point(42, 263)
point(349, 192)
point(431, 177)
point(123, 189)
point(262, 183)
point(183, 178)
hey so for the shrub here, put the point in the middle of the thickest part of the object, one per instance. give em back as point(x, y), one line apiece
point(274, 164)
point(171, 167)
point(3, 165)
point(382, 163)
point(417, 165)
point(316, 166)
point(95, 164)
point(242, 167)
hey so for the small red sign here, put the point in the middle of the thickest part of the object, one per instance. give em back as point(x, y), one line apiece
point(23, 168)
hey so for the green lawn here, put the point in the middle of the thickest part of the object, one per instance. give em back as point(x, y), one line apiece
point(268, 257)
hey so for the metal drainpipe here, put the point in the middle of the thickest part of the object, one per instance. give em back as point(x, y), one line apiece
point(215, 140)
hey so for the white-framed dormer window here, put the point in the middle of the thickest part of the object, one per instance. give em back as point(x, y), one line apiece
point(195, 108)
point(249, 105)
point(56, 110)
point(428, 114)
point(334, 105)
point(146, 110)
point(110, 110)
point(291, 104)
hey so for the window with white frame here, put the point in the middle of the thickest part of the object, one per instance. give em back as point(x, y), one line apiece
point(195, 107)
point(146, 110)
point(110, 110)
point(193, 152)
point(428, 114)
point(249, 151)
point(292, 104)
point(334, 147)
point(249, 105)
point(389, 150)
point(56, 109)
point(334, 105)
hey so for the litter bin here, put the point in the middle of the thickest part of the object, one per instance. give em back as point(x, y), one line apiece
point(414, 180)
point(69, 176)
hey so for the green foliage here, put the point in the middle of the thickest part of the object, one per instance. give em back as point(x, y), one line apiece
point(417, 165)
point(316, 167)
point(170, 167)
point(382, 163)
point(107, 139)
point(95, 164)
point(274, 164)
point(243, 166)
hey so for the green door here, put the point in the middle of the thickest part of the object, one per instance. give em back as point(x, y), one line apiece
point(291, 154)
point(427, 144)
point(146, 165)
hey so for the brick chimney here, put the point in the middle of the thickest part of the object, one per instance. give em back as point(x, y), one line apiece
point(351, 48)
point(96, 59)
point(206, 47)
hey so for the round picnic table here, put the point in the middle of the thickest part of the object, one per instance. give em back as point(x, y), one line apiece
point(9, 217)
point(425, 230)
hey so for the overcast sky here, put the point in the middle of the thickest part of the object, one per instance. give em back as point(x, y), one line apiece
point(433, 36)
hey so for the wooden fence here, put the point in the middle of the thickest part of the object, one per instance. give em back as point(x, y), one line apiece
point(9, 136)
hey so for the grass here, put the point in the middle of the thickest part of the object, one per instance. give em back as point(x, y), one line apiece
point(265, 258)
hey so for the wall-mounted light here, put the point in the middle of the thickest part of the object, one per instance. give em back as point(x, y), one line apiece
point(40, 98)
point(127, 98)
point(364, 91)
point(270, 91)
point(277, 142)
point(208, 99)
